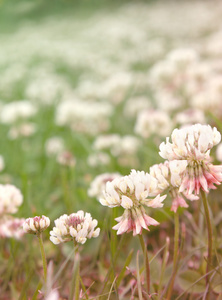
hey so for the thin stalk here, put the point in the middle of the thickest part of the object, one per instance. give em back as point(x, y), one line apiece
point(74, 289)
point(163, 268)
point(138, 277)
point(175, 254)
point(146, 263)
point(106, 280)
point(44, 262)
point(210, 236)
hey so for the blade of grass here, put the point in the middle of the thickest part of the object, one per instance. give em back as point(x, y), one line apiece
point(122, 273)
point(25, 286)
point(110, 268)
point(113, 284)
point(39, 286)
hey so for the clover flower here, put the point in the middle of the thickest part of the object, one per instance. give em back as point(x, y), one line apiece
point(193, 144)
point(11, 227)
point(66, 158)
point(132, 192)
point(153, 121)
point(10, 199)
point(54, 146)
point(99, 183)
point(169, 177)
point(77, 227)
point(18, 110)
point(36, 225)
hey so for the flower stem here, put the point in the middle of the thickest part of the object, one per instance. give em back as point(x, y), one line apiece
point(176, 239)
point(75, 276)
point(44, 262)
point(175, 254)
point(163, 267)
point(146, 262)
point(210, 235)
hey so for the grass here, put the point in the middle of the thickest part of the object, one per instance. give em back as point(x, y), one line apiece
point(57, 47)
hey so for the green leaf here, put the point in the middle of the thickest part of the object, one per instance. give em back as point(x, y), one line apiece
point(190, 281)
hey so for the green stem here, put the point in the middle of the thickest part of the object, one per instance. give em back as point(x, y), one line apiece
point(163, 267)
point(146, 262)
point(210, 235)
point(175, 254)
point(75, 276)
point(111, 268)
point(44, 262)
point(176, 239)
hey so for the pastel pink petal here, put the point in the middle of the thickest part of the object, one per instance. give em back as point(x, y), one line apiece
point(192, 185)
point(123, 227)
point(179, 201)
point(203, 183)
point(150, 221)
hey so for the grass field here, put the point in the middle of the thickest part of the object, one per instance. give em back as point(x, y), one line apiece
point(92, 88)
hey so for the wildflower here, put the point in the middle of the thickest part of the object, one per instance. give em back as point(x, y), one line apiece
point(125, 145)
point(77, 227)
point(99, 183)
point(66, 158)
point(98, 159)
point(169, 177)
point(84, 116)
point(193, 144)
point(132, 192)
point(190, 116)
point(10, 199)
point(54, 146)
point(135, 105)
point(14, 111)
point(25, 129)
point(153, 122)
point(36, 225)
point(11, 227)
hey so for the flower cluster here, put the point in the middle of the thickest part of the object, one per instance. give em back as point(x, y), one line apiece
point(169, 176)
point(10, 199)
point(36, 225)
point(99, 183)
point(193, 144)
point(132, 192)
point(77, 227)
point(11, 227)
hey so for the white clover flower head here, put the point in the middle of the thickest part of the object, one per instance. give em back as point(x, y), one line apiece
point(192, 145)
point(84, 116)
point(77, 226)
point(152, 121)
point(14, 111)
point(36, 225)
point(11, 227)
point(132, 192)
point(98, 159)
point(54, 146)
point(66, 158)
point(10, 199)
point(169, 175)
point(23, 130)
point(98, 184)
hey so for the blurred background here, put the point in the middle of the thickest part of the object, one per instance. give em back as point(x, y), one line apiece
point(93, 87)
